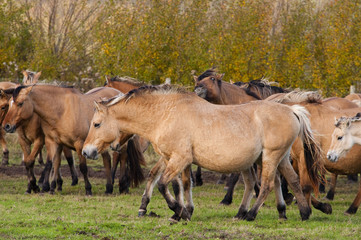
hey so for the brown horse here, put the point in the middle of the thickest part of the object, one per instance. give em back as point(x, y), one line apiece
point(65, 122)
point(124, 85)
point(322, 120)
point(184, 128)
point(209, 85)
point(4, 106)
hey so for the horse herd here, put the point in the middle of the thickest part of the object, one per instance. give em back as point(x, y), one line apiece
point(260, 131)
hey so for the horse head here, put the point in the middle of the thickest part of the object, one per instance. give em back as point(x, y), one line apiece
point(20, 108)
point(208, 85)
point(103, 133)
point(30, 77)
point(342, 138)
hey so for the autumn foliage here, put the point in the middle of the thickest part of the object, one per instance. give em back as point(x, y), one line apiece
point(300, 44)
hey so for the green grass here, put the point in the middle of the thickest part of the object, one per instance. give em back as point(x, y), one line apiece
point(71, 215)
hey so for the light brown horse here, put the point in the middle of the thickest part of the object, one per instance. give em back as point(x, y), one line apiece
point(185, 129)
point(66, 114)
point(3, 110)
point(322, 120)
point(354, 97)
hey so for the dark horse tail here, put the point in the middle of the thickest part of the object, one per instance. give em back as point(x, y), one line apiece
point(311, 148)
point(135, 158)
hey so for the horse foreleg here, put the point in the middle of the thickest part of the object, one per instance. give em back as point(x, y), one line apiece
point(187, 185)
point(199, 180)
point(331, 193)
point(5, 160)
point(116, 159)
point(153, 177)
point(232, 181)
point(249, 182)
point(288, 172)
point(69, 158)
point(55, 179)
point(108, 175)
point(356, 202)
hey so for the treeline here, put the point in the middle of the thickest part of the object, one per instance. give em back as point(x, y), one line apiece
point(300, 44)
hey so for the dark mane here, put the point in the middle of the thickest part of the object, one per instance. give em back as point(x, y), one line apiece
point(207, 73)
point(128, 80)
point(17, 91)
point(261, 86)
point(147, 89)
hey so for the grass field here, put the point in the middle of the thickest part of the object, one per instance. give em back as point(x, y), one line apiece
point(72, 215)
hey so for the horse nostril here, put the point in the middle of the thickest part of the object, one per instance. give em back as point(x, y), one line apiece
point(7, 127)
point(84, 154)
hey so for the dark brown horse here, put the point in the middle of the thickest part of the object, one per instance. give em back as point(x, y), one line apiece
point(65, 114)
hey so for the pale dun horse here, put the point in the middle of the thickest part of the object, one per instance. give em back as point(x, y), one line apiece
point(186, 129)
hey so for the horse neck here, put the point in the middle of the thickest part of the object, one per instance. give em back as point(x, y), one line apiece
point(122, 86)
point(49, 104)
point(232, 94)
point(142, 115)
point(355, 130)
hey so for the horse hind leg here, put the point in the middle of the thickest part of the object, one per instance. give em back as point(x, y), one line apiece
point(249, 182)
point(107, 167)
point(355, 204)
point(281, 205)
point(69, 158)
point(232, 181)
point(331, 193)
point(5, 159)
point(187, 185)
point(288, 172)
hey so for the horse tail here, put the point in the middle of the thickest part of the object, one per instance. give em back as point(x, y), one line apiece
point(134, 159)
point(311, 148)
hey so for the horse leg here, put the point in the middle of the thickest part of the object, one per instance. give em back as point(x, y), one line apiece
point(232, 181)
point(5, 160)
point(199, 180)
point(187, 185)
point(331, 193)
point(356, 203)
point(40, 156)
point(69, 158)
point(222, 179)
point(249, 182)
point(153, 177)
point(287, 171)
point(116, 159)
point(124, 178)
point(56, 165)
point(108, 175)
point(175, 165)
point(281, 205)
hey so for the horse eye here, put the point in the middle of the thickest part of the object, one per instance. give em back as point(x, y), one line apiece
point(20, 104)
point(339, 138)
point(3, 108)
point(96, 125)
point(212, 78)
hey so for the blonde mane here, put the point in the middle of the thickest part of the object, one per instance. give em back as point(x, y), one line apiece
point(300, 96)
point(164, 89)
point(128, 80)
point(342, 121)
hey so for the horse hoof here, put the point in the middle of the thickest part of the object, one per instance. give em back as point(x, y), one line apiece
point(153, 214)
point(289, 198)
point(88, 193)
point(52, 192)
point(241, 215)
point(198, 184)
point(225, 202)
point(352, 210)
point(174, 219)
point(74, 182)
point(36, 189)
point(250, 217)
point(142, 212)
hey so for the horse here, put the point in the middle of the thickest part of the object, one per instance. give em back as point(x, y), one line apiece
point(210, 86)
point(124, 85)
point(65, 122)
point(322, 120)
point(354, 97)
point(186, 129)
point(4, 86)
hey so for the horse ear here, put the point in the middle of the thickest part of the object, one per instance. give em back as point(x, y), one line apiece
point(231, 81)
point(25, 73)
point(220, 76)
point(348, 124)
point(36, 77)
point(99, 107)
point(2, 93)
point(195, 78)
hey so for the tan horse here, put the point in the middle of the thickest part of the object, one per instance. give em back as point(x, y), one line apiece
point(354, 97)
point(185, 129)
point(322, 120)
point(66, 114)
point(3, 110)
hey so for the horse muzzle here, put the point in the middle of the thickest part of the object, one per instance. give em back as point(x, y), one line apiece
point(90, 152)
point(201, 92)
point(9, 128)
point(332, 156)
point(115, 147)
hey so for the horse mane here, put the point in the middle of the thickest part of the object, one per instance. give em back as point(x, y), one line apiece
point(128, 80)
point(208, 73)
point(19, 88)
point(345, 120)
point(147, 89)
point(297, 96)
point(262, 85)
